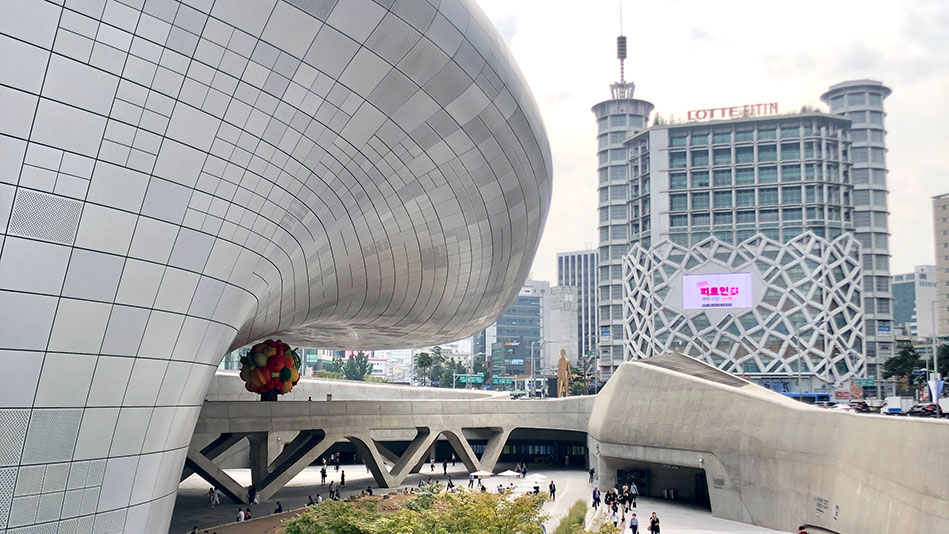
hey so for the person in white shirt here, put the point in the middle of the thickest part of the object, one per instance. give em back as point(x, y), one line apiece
point(240, 515)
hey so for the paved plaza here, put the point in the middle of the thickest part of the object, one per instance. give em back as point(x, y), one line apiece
point(192, 509)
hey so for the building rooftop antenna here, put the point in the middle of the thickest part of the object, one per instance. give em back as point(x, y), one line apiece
point(621, 89)
point(621, 45)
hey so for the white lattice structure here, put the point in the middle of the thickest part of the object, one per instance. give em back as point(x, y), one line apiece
point(181, 178)
point(808, 286)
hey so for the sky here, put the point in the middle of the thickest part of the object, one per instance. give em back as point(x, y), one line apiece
point(698, 54)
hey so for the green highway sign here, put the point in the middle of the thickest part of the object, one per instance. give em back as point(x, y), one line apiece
point(471, 379)
point(502, 381)
point(865, 382)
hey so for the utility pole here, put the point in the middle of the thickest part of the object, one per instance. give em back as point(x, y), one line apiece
point(935, 365)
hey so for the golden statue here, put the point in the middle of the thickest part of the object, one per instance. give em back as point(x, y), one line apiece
point(563, 374)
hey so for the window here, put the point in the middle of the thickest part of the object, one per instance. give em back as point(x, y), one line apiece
point(876, 136)
point(604, 176)
point(744, 154)
point(604, 156)
point(876, 99)
point(618, 154)
point(791, 195)
point(618, 212)
point(744, 136)
point(876, 118)
point(617, 252)
point(722, 177)
point(700, 158)
point(789, 132)
point(724, 217)
point(725, 237)
point(861, 176)
point(767, 153)
point(745, 217)
point(678, 181)
point(677, 221)
point(771, 233)
point(618, 120)
point(618, 192)
point(858, 136)
point(792, 232)
point(882, 283)
point(767, 133)
point(678, 140)
point(679, 202)
point(604, 194)
point(790, 173)
point(701, 219)
point(791, 214)
point(698, 237)
point(744, 176)
point(768, 196)
point(605, 233)
point(678, 160)
point(813, 214)
point(723, 199)
point(721, 137)
point(877, 155)
point(879, 199)
point(604, 214)
point(768, 216)
point(620, 231)
point(790, 151)
point(856, 99)
point(699, 138)
point(744, 198)
point(859, 154)
point(743, 235)
point(616, 292)
point(679, 239)
point(722, 156)
point(767, 175)
point(700, 201)
point(858, 117)
point(700, 179)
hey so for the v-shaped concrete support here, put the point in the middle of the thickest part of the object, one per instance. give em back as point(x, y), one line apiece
point(214, 449)
point(207, 470)
point(305, 448)
point(492, 450)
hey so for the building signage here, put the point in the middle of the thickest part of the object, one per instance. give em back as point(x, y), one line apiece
point(884, 330)
point(734, 112)
point(722, 290)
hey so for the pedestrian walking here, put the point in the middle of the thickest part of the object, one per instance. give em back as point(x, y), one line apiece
point(445, 466)
point(592, 470)
point(654, 524)
point(342, 479)
point(634, 525)
point(453, 459)
point(431, 463)
point(614, 517)
point(217, 496)
point(210, 495)
point(553, 490)
point(596, 498)
point(451, 484)
point(323, 474)
point(470, 480)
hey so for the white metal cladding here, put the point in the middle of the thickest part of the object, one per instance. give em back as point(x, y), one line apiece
point(178, 179)
point(809, 284)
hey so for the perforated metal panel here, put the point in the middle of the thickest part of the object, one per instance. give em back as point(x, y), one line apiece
point(13, 425)
point(52, 436)
point(44, 216)
point(7, 481)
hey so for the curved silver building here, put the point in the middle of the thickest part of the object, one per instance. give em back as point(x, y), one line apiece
point(180, 179)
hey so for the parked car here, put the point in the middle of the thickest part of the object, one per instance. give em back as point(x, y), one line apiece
point(825, 404)
point(860, 406)
point(842, 408)
point(922, 410)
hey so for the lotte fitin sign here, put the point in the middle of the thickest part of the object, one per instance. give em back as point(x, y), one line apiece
point(718, 290)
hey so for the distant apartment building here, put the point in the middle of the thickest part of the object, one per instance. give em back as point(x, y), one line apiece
point(578, 269)
point(914, 295)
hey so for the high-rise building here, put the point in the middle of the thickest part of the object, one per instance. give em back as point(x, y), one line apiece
point(861, 101)
point(560, 329)
point(941, 232)
point(578, 269)
point(914, 295)
point(742, 248)
point(616, 119)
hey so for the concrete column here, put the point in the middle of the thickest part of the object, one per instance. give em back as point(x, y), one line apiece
point(296, 456)
point(219, 446)
point(492, 450)
point(463, 449)
point(206, 469)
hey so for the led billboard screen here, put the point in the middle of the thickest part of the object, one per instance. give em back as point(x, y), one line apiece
point(716, 290)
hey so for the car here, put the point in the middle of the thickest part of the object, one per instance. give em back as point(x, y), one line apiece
point(922, 410)
point(860, 406)
point(842, 408)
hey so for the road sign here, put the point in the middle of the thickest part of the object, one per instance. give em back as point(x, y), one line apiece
point(919, 372)
point(471, 379)
point(502, 381)
point(865, 382)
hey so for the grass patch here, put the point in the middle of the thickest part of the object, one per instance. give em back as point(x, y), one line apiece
point(573, 521)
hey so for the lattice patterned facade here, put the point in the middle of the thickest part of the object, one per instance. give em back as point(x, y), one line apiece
point(807, 306)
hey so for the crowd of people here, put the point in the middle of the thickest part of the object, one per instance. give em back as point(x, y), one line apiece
point(619, 502)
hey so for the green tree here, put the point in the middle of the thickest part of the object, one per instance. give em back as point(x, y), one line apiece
point(334, 366)
point(357, 367)
point(901, 368)
point(578, 384)
point(943, 354)
point(422, 363)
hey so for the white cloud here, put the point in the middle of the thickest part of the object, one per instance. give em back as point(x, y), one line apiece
point(693, 54)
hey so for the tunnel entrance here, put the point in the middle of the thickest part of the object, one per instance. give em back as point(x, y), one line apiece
point(666, 481)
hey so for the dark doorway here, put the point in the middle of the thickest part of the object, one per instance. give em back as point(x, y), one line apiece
point(666, 481)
